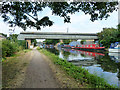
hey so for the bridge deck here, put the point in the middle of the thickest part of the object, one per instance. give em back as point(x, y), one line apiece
point(56, 35)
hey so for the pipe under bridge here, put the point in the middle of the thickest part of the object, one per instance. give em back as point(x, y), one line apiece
point(56, 35)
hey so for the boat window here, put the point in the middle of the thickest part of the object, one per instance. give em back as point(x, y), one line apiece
point(116, 43)
point(96, 45)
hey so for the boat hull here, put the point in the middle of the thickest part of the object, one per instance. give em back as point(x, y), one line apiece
point(92, 49)
point(66, 47)
point(114, 50)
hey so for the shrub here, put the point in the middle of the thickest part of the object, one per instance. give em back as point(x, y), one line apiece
point(8, 48)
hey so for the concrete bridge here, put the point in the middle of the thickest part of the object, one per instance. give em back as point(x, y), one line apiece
point(55, 35)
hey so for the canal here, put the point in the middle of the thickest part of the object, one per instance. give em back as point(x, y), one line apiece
point(104, 65)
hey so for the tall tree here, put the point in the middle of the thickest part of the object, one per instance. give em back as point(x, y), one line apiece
point(118, 39)
point(108, 36)
point(25, 14)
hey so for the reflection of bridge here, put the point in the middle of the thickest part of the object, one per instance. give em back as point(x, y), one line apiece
point(55, 35)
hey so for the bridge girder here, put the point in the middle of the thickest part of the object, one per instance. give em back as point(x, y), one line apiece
point(51, 35)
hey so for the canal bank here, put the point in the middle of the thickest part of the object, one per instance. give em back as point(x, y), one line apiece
point(104, 65)
point(78, 73)
point(14, 68)
point(61, 76)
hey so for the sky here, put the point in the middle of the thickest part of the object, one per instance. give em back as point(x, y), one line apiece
point(80, 23)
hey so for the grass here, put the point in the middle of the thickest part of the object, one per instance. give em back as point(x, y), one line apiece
point(78, 73)
point(11, 67)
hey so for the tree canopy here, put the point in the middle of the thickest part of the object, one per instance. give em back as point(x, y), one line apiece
point(108, 36)
point(25, 14)
point(51, 41)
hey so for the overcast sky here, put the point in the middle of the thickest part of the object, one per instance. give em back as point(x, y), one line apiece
point(79, 23)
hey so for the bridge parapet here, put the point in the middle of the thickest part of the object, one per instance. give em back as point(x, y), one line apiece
point(55, 35)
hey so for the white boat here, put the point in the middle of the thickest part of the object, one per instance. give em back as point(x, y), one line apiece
point(115, 47)
point(115, 56)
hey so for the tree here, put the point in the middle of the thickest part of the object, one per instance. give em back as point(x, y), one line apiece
point(34, 41)
point(5, 35)
point(25, 14)
point(108, 36)
point(82, 41)
point(13, 37)
point(118, 39)
point(52, 41)
point(66, 41)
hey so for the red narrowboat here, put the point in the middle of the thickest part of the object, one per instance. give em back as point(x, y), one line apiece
point(66, 46)
point(90, 46)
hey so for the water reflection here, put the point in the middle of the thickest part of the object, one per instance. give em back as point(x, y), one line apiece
point(104, 65)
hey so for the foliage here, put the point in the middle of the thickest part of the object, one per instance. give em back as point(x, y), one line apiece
point(25, 14)
point(108, 36)
point(66, 54)
point(51, 41)
point(119, 71)
point(82, 41)
point(34, 41)
point(56, 52)
point(12, 45)
point(78, 73)
point(12, 67)
point(8, 48)
point(66, 41)
point(38, 48)
point(22, 44)
point(13, 37)
point(107, 64)
point(118, 32)
point(5, 35)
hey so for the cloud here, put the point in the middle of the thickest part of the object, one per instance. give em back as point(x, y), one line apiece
point(79, 23)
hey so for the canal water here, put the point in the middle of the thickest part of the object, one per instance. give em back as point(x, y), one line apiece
point(104, 65)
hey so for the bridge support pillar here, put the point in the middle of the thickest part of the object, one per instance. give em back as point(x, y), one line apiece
point(28, 43)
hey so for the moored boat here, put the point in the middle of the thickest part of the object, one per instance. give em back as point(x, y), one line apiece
point(66, 46)
point(114, 47)
point(90, 47)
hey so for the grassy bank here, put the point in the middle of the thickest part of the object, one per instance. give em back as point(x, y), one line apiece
point(12, 67)
point(78, 73)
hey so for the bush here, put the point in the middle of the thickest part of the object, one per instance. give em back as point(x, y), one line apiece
point(9, 48)
point(38, 48)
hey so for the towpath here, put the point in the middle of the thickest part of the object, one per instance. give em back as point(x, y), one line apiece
point(39, 73)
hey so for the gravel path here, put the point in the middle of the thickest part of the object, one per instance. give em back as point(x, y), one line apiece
point(39, 74)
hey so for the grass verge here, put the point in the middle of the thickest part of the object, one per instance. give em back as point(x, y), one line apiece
point(78, 73)
point(12, 67)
